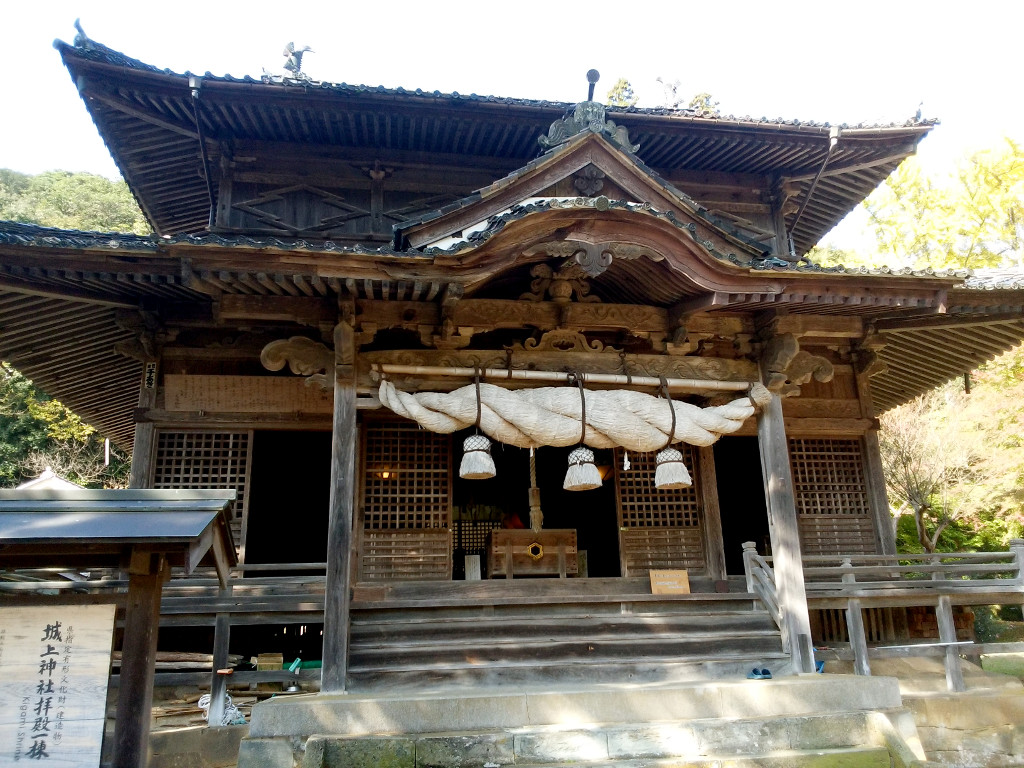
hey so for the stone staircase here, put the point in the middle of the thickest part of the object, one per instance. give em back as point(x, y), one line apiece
point(801, 721)
point(552, 632)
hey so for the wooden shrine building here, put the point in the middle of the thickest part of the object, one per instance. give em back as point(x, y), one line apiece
point(322, 251)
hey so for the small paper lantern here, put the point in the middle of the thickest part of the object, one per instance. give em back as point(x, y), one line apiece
point(670, 473)
point(582, 474)
point(477, 463)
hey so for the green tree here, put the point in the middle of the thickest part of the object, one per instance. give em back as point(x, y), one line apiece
point(621, 94)
point(82, 201)
point(971, 218)
point(37, 433)
point(954, 462)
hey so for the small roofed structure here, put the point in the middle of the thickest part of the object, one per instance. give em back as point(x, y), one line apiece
point(144, 532)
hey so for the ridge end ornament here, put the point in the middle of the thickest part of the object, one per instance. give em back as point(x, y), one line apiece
point(590, 116)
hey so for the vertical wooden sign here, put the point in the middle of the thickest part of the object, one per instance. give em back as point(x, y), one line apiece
point(54, 664)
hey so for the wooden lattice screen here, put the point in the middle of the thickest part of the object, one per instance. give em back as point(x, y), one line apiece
point(203, 459)
point(407, 486)
point(657, 529)
point(831, 496)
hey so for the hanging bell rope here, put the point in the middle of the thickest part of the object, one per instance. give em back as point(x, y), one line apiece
point(554, 416)
point(477, 462)
point(670, 472)
point(536, 516)
point(582, 474)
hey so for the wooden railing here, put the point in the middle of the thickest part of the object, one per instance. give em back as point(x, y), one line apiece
point(940, 580)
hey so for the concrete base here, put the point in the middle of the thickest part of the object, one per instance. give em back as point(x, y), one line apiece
point(198, 747)
point(807, 720)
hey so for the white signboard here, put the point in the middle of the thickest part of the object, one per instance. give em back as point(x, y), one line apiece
point(54, 668)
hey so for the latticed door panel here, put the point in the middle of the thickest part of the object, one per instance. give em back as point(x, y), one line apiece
point(831, 495)
point(206, 459)
point(657, 529)
point(406, 503)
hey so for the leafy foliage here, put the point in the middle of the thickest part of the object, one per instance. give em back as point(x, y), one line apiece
point(621, 94)
point(972, 218)
point(82, 201)
point(955, 462)
point(37, 433)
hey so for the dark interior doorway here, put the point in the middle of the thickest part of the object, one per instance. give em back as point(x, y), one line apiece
point(591, 513)
point(289, 497)
point(741, 499)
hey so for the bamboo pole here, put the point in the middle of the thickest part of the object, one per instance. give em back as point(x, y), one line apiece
point(496, 374)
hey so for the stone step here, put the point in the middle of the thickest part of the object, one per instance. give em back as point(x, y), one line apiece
point(844, 739)
point(485, 709)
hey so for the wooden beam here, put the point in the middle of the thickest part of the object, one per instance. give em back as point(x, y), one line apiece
point(29, 288)
point(944, 321)
point(144, 447)
point(785, 534)
point(947, 634)
point(146, 576)
point(120, 105)
point(714, 542)
point(339, 533)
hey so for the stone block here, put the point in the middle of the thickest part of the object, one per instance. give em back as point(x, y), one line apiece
point(742, 737)
point(465, 751)
point(669, 740)
point(556, 746)
point(841, 730)
point(265, 753)
point(382, 752)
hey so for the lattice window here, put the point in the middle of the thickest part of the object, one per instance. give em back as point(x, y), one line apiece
point(641, 505)
point(406, 477)
point(201, 459)
point(831, 495)
point(828, 476)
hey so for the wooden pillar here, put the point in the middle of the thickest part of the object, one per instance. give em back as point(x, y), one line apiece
point(947, 634)
point(339, 533)
point(785, 535)
point(144, 447)
point(714, 543)
point(146, 575)
point(885, 527)
point(219, 683)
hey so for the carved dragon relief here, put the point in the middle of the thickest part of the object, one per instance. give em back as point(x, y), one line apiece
point(303, 357)
point(787, 366)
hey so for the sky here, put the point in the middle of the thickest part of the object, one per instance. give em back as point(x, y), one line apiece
point(863, 62)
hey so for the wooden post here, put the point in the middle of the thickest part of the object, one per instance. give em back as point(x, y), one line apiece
point(858, 638)
point(878, 498)
point(144, 447)
point(855, 626)
point(146, 575)
point(1017, 549)
point(785, 535)
point(749, 550)
point(219, 682)
point(947, 634)
point(339, 533)
point(714, 542)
